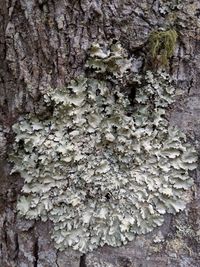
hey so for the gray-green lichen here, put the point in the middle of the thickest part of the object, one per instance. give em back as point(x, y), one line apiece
point(112, 60)
point(2, 142)
point(101, 169)
point(167, 6)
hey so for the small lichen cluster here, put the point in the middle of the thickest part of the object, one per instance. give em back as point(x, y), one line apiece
point(2, 142)
point(162, 45)
point(113, 60)
point(101, 169)
point(167, 6)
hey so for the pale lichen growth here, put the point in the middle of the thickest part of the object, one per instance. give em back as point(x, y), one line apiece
point(2, 142)
point(113, 60)
point(101, 169)
point(167, 6)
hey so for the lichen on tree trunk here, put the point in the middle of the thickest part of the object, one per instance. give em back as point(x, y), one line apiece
point(45, 43)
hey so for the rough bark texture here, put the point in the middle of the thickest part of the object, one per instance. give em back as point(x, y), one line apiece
point(45, 43)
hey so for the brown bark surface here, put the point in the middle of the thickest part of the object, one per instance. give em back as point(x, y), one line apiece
point(45, 43)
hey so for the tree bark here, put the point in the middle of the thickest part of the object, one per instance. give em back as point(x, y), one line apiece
point(45, 43)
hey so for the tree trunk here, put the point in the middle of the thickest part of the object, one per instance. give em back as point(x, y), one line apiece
point(45, 43)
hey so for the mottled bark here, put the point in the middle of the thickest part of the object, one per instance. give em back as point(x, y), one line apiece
point(45, 43)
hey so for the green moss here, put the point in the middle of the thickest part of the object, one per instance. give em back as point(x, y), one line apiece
point(162, 45)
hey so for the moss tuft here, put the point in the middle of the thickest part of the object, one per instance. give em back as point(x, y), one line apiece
point(162, 45)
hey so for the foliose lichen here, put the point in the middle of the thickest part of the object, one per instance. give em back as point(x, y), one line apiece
point(2, 142)
point(101, 169)
point(111, 60)
point(167, 6)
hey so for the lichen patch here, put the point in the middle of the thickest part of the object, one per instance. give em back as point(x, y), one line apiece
point(101, 169)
